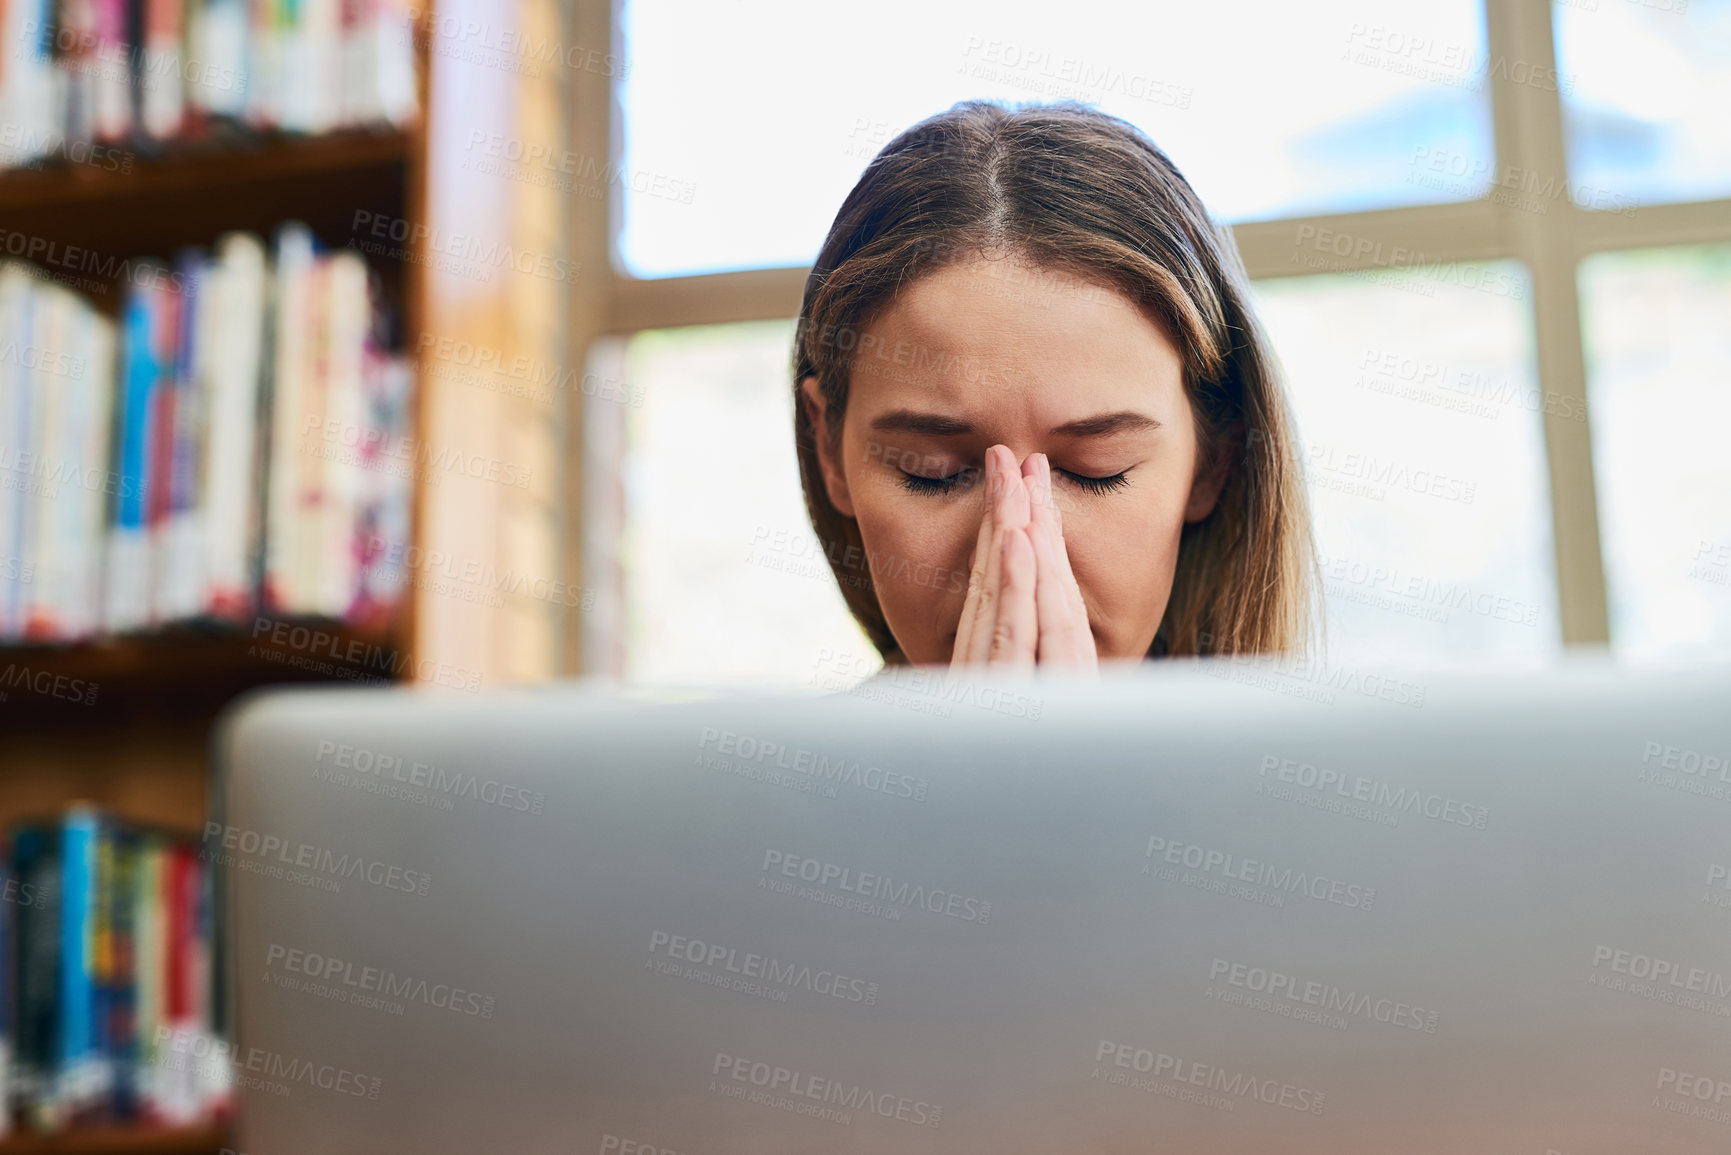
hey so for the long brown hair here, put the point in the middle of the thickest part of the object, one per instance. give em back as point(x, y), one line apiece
point(1073, 190)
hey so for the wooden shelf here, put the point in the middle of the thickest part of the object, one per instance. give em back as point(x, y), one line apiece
point(199, 168)
point(85, 220)
point(190, 672)
point(116, 1141)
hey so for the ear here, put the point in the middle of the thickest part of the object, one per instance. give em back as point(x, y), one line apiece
point(829, 464)
point(1212, 470)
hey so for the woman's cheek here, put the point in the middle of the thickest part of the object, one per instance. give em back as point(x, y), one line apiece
point(1124, 557)
point(921, 552)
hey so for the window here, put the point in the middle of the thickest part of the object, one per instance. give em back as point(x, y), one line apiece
point(1503, 428)
point(1659, 375)
point(1645, 88)
point(1420, 419)
point(747, 123)
point(726, 578)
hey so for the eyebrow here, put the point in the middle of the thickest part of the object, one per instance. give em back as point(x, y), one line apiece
point(937, 425)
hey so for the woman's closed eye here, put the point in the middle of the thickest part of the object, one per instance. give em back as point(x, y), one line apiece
point(939, 486)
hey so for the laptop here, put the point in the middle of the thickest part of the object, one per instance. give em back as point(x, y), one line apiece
point(1221, 907)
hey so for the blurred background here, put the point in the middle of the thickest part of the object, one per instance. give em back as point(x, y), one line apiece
point(447, 343)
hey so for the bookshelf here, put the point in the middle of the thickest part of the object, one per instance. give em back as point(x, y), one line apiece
point(115, 1141)
point(140, 749)
point(162, 689)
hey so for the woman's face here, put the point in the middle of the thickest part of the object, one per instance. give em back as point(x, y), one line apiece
point(999, 351)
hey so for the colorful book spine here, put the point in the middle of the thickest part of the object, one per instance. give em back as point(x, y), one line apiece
point(128, 571)
point(179, 592)
point(148, 949)
point(36, 864)
point(163, 73)
point(109, 70)
point(108, 935)
point(291, 465)
point(166, 422)
point(81, 1073)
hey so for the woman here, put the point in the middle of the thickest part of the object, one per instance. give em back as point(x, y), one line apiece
point(1031, 400)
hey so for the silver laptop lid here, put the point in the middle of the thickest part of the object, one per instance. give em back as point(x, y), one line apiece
point(1224, 909)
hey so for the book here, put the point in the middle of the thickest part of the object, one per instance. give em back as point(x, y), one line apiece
point(179, 591)
point(137, 442)
point(163, 76)
point(230, 367)
point(34, 106)
point(120, 72)
point(56, 386)
point(79, 1076)
point(15, 446)
point(74, 374)
point(217, 39)
point(109, 930)
point(232, 443)
point(35, 1016)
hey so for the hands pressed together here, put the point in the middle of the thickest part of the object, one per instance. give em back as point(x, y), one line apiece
point(1023, 605)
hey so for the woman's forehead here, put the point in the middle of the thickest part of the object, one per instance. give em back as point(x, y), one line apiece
point(957, 339)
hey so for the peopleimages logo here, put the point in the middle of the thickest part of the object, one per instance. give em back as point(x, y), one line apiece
point(1161, 1065)
point(715, 956)
point(880, 887)
point(1702, 1087)
point(1231, 867)
point(1718, 878)
point(1324, 996)
point(270, 853)
point(267, 1064)
point(1663, 972)
point(842, 771)
point(452, 783)
point(328, 969)
point(814, 1089)
point(1686, 761)
point(1358, 788)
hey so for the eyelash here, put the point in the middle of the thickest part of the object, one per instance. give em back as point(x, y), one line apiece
point(939, 486)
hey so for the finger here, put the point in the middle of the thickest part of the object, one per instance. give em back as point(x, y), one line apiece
point(1039, 467)
point(1037, 474)
point(1037, 477)
point(1064, 636)
point(1072, 588)
point(968, 623)
point(1051, 599)
point(1015, 508)
point(988, 552)
point(986, 603)
point(1010, 512)
point(1015, 631)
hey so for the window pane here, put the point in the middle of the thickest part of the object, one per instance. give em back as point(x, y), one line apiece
point(1658, 328)
point(746, 123)
point(1420, 414)
point(723, 578)
point(1646, 86)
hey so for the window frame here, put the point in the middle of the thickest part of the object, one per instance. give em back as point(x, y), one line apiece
point(1528, 136)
